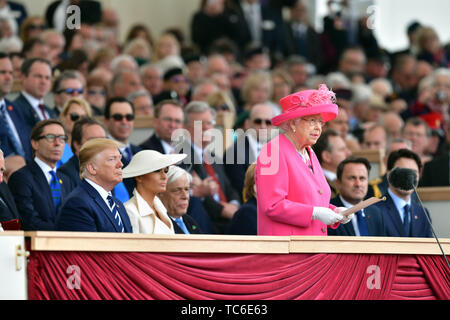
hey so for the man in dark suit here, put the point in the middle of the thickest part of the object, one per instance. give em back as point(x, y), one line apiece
point(300, 38)
point(209, 179)
point(436, 172)
point(14, 132)
point(352, 183)
point(245, 150)
point(168, 117)
point(8, 209)
point(83, 130)
point(403, 216)
point(36, 76)
point(91, 206)
point(119, 121)
point(38, 189)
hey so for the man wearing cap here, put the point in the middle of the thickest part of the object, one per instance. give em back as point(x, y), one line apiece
point(293, 195)
point(91, 207)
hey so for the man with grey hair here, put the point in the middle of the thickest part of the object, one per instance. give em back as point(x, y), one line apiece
point(124, 82)
point(142, 101)
point(210, 182)
point(66, 86)
point(152, 79)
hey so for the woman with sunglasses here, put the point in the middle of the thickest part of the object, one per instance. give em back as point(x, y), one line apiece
point(75, 108)
point(292, 193)
point(147, 213)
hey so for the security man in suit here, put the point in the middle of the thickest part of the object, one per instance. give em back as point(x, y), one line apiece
point(352, 183)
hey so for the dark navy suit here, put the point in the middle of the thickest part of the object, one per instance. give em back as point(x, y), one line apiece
point(244, 221)
point(394, 225)
point(72, 169)
point(22, 128)
point(33, 197)
point(374, 221)
point(153, 143)
point(30, 115)
point(85, 210)
point(190, 224)
point(8, 209)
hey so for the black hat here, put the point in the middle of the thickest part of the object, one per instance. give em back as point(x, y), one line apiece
point(172, 72)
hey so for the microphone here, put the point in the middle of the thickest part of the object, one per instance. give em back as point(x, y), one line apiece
point(403, 178)
point(406, 179)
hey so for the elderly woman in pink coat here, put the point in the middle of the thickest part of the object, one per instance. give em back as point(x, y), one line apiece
point(293, 195)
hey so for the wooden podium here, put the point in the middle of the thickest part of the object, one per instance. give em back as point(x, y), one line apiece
point(197, 267)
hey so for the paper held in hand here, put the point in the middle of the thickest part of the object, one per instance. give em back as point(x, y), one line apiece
point(362, 205)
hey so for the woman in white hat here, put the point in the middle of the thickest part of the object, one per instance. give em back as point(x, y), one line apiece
point(146, 211)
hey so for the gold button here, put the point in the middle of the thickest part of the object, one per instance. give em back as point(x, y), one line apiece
point(320, 192)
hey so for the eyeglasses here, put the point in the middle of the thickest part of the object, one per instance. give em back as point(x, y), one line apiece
point(165, 170)
point(52, 138)
point(119, 117)
point(258, 121)
point(179, 79)
point(71, 90)
point(313, 122)
point(74, 116)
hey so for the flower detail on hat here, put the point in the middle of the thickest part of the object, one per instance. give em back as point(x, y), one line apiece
point(297, 100)
point(322, 96)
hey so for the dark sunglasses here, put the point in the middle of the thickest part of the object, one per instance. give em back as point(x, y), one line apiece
point(36, 26)
point(52, 137)
point(71, 90)
point(165, 170)
point(74, 116)
point(260, 121)
point(119, 117)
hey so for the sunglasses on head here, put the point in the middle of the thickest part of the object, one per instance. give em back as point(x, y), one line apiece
point(119, 117)
point(71, 90)
point(260, 121)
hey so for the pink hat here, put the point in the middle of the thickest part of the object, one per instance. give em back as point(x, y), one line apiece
point(308, 102)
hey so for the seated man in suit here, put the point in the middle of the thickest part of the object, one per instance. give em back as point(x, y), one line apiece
point(245, 150)
point(210, 182)
point(330, 150)
point(83, 130)
point(38, 189)
point(119, 120)
point(403, 216)
point(36, 77)
point(14, 132)
point(91, 206)
point(8, 210)
point(168, 117)
point(352, 183)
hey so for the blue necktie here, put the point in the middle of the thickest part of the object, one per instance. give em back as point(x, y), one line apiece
point(407, 220)
point(15, 144)
point(55, 188)
point(115, 213)
point(181, 224)
point(362, 226)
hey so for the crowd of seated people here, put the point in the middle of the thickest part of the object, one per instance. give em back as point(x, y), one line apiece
point(60, 88)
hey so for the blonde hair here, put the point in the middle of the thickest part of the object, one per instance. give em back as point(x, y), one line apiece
point(248, 191)
point(79, 101)
point(91, 149)
point(254, 80)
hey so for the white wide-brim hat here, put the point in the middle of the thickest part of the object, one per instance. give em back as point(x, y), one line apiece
point(147, 161)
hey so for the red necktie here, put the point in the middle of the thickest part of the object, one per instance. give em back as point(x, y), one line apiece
point(42, 108)
point(210, 170)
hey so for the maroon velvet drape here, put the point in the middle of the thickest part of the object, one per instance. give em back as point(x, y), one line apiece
point(236, 276)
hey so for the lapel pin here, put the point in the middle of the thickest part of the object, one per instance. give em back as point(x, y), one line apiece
point(416, 217)
point(10, 108)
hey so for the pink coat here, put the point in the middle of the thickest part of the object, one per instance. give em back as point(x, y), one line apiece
point(287, 191)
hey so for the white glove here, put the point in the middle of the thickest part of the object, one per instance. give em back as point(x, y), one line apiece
point(326, 215)
point(345, 219)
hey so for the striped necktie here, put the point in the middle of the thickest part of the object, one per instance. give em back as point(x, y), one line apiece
point(55, 188)
point(115, 213)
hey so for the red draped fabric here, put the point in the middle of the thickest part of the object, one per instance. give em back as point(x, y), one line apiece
point(236, 276)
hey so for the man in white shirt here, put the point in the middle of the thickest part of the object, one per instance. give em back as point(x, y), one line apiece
point(38, 189)
point(36, 82)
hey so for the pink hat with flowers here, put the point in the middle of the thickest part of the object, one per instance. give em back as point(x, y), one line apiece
point(308, 102)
